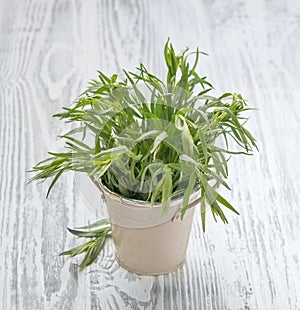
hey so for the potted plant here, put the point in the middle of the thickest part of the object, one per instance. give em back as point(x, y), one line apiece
point(155, 150)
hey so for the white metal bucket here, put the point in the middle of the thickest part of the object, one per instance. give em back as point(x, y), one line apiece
point(146, 242)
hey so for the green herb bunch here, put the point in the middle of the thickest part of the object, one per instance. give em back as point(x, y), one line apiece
point(154, 140)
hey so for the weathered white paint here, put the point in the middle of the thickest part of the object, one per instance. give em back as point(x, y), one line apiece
point(48, 50)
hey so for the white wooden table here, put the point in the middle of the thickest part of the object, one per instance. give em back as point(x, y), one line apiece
point(48, 51)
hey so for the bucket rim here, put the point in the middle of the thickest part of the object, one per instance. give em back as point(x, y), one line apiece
point(143, 203)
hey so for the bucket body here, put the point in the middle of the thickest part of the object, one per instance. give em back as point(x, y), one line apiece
point(146, 241)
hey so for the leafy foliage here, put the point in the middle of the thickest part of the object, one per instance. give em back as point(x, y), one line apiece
point(154, 140)
point(97, 232)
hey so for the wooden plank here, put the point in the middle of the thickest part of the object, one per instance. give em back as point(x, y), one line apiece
point(48, 50)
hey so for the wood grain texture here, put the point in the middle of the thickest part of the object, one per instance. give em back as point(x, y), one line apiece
point(48, 50)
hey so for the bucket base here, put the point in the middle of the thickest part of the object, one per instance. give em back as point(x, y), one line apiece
point(149, 273)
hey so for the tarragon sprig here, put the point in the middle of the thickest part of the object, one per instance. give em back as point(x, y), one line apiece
point(98, 232)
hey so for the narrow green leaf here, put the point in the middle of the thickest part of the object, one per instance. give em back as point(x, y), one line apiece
point(225, 203)
point(167, 189)
point(203, 208)
point(162, 136)
point(104, 223)
point(54, 181)
point(93, 252)
point(187, 193)
point(77, 142)
point(78, 250)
